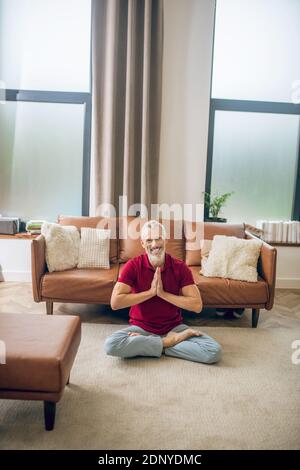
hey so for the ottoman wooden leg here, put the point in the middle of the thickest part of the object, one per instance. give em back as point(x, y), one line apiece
point(49, 414)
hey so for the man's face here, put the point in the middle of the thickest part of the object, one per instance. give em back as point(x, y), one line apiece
point(154, 245)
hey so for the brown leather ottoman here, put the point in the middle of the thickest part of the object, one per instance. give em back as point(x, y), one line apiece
point(40, 351)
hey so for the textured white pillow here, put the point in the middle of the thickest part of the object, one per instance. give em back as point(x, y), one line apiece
point(232, 258)
point(94, 248)
point(205, 248)
point(62, 246)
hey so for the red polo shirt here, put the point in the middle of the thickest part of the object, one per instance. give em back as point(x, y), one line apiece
point(156, 315)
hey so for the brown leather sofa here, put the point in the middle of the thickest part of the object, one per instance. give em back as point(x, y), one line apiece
point(95, 285)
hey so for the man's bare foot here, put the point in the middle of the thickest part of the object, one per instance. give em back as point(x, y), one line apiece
point(173, 338)
point(133, 333)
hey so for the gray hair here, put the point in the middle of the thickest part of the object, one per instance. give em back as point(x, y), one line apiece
point(153, 224)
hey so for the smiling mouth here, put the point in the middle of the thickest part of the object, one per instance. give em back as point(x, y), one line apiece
point(155, 251)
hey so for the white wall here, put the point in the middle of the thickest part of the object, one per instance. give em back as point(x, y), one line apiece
point(188, 42)
point(15, 260)
point(288, 267)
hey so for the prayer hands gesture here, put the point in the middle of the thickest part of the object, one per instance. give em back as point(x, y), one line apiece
point(156, 284)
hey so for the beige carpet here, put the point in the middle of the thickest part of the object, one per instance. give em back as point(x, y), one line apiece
point(250, 400)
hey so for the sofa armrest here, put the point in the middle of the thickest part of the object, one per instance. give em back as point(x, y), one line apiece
point(38, 265)
point(267, 267)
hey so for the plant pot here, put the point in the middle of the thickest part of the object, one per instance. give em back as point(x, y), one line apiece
point(215, 219)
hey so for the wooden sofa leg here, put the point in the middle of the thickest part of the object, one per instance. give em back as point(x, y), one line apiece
point(49, 307)
point(255, 316)
point(49, 414)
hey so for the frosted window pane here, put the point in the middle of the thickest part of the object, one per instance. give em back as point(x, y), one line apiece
point(256, 49)
point(255, 155)
point(45, 44)
point(41, 155)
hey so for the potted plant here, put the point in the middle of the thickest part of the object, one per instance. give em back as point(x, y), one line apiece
point(214, 204)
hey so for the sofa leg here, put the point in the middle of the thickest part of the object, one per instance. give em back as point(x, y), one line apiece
point(49, 414)
point(49, 307)
point(255, 316)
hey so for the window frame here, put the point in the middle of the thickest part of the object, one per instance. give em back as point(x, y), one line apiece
point(65, 97)
point(219, 104)
point(273, 107)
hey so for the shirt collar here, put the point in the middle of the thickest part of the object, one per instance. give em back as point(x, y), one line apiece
point(147, 264)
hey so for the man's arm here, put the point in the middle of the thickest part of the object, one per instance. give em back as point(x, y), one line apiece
point(190, 300)
point(122, 297)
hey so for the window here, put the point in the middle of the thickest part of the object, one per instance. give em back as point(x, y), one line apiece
point(254, 129)
point(45, 115)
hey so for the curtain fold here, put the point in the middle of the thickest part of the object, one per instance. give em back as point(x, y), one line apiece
point(127, 44)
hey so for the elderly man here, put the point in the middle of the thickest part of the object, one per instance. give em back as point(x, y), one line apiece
point(156, 286)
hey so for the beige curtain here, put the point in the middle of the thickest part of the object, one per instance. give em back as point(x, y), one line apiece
point(127, 39)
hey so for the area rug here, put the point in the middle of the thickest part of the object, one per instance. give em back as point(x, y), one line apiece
point(250, 400)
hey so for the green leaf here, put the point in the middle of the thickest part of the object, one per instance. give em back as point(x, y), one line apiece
point(215, 203)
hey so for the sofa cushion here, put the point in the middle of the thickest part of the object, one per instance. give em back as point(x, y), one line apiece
point(232, 258)
point(216, 291)
point(196, 232)
point(110, 223)
point(40, 351)
point(92, 285)
point(62, 246)
point(194, 235)
point(94, 248)
point(130, 243)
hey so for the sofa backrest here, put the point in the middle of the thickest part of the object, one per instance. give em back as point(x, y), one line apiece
point(197, 232)
point(184, 237)
point(96, 222)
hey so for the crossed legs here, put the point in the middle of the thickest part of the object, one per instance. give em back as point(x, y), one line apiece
point(195, 348)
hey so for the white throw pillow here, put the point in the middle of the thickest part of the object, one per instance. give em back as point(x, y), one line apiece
point(94, 248)
point(62, 246)
point(232, 258)
point(205, 248)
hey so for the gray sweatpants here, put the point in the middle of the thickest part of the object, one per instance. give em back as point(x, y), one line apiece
point(197, 348)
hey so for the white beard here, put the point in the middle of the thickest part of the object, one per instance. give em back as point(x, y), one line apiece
point(157, 260)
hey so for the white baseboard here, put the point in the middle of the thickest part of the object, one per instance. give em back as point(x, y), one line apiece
point(287, 283)
point(17, 276)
